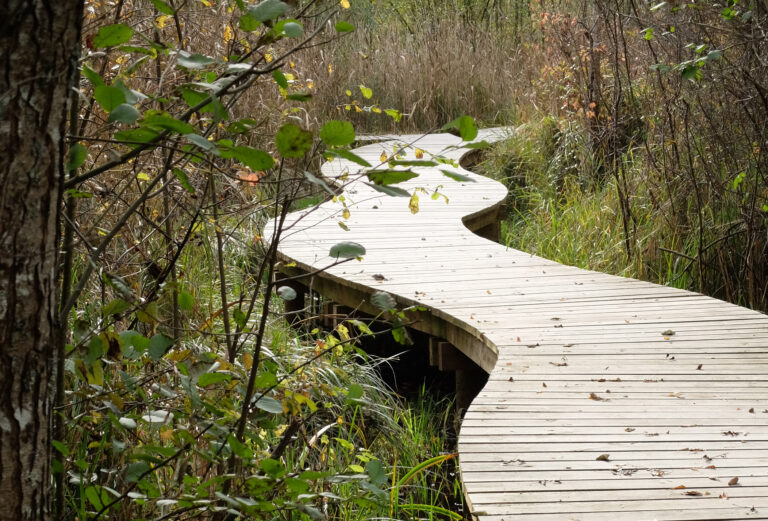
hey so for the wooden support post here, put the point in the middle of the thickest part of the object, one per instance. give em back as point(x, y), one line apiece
point(470, 378)
point(295, 308)
point(491, 231)
point(340, 313)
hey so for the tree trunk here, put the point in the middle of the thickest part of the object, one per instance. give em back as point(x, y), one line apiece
point(39, 46)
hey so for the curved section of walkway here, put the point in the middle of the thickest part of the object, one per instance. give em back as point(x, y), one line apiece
point(608, 398)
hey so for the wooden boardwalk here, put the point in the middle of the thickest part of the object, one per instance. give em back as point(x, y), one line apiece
point(608, 398)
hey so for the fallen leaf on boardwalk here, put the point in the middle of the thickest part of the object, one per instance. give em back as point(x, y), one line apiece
point(379, 276)
point(658, 473)
point(679, 487)
point(593, 396)
point(603, 457)
point(723, 496)
point(543, 384)
point(693, 493)
point(629, 429)
point(560, 364)
point(699, 367)
point(668, 332)
point(733, 481)
point(710, 467)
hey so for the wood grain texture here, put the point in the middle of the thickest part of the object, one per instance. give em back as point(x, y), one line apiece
point(608, 398)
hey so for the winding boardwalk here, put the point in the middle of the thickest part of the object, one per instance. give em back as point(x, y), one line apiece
point(608, 398)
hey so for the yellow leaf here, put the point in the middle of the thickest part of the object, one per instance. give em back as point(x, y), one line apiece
point(358, 109)
point(383, 157)
point(142, 176)
point(345, 213)
point(268, 57)
point(348, 92)
point(161, 20)
point(345, 4)
point(330, 68)
point(413, 204)
point(291, 65)
point(166, 434)
point(228, 34)
point(377, 110)
point(419, 153)
point(343, 331)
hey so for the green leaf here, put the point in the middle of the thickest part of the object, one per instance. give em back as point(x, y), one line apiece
point(194, 61)
point(346, 250)
point(95, 351)
point(337, 133)
point(390, 177)
point(316, 180)
point(239, 449)
point(164, 121)
point(115, 307)
point(477, 145)
point(131, 96)
point(292, 141)
point(269, 404)
point(271, 467)
point(158, 346)
point(299, 96)
point(280, 78)
point(124, 113)
point(248, 23)
point(97, 497)
point(648, 34)
point(256, 160)
point(290, 28)
point(59, 446)
point(201, 142)
point(111, 35)
point(240, 318)
point(457, 176)
point(412, 162)
point(383, 301)
point(376, 472)
point(393, 191)
point(287, 293)
point(93, 76)
point(134, 339)
point(466, 127)
point(181, 175)
point(268, 10)
point(242, 126)
point(691, 72)
point(367, 93)
point(136, 470)
point(77, 156)
point(394, 114)
point(109, 97)
point(161, 6)
point(355, 392)
point(207, 379)
point(185, 300)
point(344, 27)
point(346, 154)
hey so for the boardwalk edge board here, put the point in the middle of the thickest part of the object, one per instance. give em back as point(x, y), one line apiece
point(608, 398)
